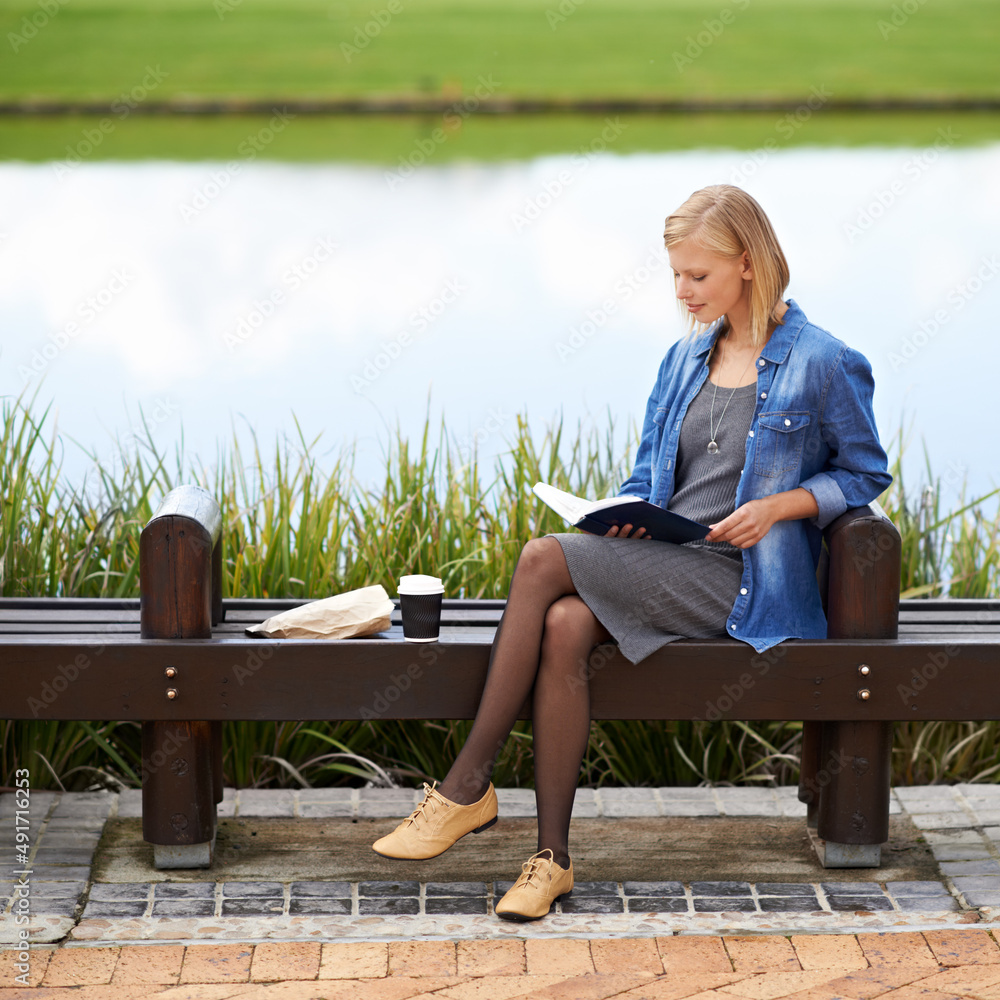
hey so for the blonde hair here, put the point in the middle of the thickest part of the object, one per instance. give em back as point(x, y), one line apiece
point(727, 222)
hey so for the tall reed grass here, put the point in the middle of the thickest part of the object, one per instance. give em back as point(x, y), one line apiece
point(295, 529)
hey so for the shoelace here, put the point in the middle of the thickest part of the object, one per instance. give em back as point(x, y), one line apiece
point(431, 799)
point(533, 867)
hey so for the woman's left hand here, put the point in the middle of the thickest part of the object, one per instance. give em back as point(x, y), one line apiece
point(746, 526)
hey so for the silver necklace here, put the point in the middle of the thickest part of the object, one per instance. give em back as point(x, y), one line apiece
point(713, 448)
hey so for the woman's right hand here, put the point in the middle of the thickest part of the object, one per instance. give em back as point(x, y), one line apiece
point(624, 532)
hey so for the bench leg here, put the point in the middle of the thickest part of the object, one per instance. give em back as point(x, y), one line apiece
point(179, 792)
point(808, 767)
point(854, 800)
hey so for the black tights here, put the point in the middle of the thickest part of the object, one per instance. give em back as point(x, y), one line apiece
point(543, 643)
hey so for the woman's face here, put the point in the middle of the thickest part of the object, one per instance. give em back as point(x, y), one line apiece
point(708, 285)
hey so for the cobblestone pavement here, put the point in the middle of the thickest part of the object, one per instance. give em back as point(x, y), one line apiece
point(961, 824)
point(933, 965)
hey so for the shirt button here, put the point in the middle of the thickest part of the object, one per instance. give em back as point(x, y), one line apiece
point(763, 395)
point(733, 627)
point(751, 434)
point(788, 423)
point(743, 590)
point(760, 362)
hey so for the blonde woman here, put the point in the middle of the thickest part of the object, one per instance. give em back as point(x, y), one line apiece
point(760, 425)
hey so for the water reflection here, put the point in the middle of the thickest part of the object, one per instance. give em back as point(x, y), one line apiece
point(222, 294)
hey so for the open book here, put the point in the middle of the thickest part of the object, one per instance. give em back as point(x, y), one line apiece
point(597, 516)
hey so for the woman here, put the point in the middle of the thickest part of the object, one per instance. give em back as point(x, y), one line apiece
point(760, 425)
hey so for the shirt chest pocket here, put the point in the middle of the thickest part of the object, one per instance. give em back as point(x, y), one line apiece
point(779, 441)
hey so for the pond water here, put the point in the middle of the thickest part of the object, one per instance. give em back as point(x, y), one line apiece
point(221, 298)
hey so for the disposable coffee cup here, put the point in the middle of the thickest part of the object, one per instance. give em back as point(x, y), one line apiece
point(420, 605)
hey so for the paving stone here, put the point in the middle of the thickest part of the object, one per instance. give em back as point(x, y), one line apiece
point(789, 904)
point(585, 804)
point(65, 824)
point(748, 802)
point(963, 947)
point(986, 882)
point(626, 795)
point(968, 836)
point(455, 889)
point(387, 906)
point(614, 956)
point(986, 817)
point(243, 890)
point(657, 904)
point(326, 795)
point(960, 852)
point(558, 957)
point(981, 897)
point(53, 907)
point(847, 903)
point(917, 889)
point(390, 803)
point(184, 907)
point(785, 889)
point(71, 839)
point(325, 810)
point(256, 802)
point(422, 958)
point(829, 951)
point(81, 967)
point(927, 904)
point(904, 950)
point(320, 905)
point(490, 958)
point(185, 890)
point(60, 873)
point(288, 960)
point(246, 907)
point(720, 888)
point(516, 803)
point(693, 955)
point(983, 866)
point(767, 954)
point(595, 889)
point(468, 905)
point(62, 856)
point(940, 820)
point(851, 888)
point(689, 808)
point(654, 888)
point(56, 890)
point(354, 960)
point(923, 793)
point(84, 804)
point(216, 963)
point(501, 889)
point(114, 909)
point(389, 888)
point(130, 803)
point(116, 891)
point(326, 890)
point(593, 904)
point(737, 904)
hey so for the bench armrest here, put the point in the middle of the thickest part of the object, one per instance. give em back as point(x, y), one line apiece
point(180, 566)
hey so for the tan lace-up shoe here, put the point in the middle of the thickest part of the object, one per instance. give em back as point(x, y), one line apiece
point(436, 824)
point(539, 885)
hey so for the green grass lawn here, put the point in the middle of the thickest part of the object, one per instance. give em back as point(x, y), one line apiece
point(102, 48)
point(384, 141)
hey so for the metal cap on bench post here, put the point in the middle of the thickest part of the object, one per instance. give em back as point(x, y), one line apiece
point(180, 562)
point(855, 757)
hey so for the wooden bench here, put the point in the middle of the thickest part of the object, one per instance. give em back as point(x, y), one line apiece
point(179, 662)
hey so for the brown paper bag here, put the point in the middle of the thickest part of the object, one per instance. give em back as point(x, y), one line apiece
point(354, 613)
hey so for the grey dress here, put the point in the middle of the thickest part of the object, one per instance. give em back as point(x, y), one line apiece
point(648, 593)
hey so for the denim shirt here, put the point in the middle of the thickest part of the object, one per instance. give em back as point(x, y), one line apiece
point(813, 427)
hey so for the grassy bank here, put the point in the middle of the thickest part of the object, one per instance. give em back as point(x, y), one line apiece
point(295, 528)
point(104, 48)
point(388, 141)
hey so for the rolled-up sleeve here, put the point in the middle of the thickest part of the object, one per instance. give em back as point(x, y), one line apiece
point(856, 471)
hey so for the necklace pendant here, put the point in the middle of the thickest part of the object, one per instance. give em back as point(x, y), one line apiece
point(713, 448)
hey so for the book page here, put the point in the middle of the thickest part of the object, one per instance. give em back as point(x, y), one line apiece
point(564, 504)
